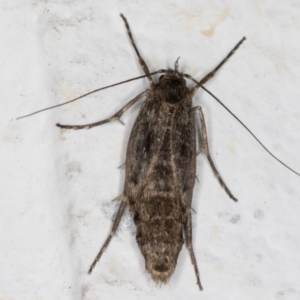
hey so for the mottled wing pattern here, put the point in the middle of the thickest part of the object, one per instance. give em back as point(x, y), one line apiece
point(183, 151)
point(160, 175)
point(144, 143)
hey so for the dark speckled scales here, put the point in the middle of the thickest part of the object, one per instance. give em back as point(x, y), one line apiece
point(160, 176)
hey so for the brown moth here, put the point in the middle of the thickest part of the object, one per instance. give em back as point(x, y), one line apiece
point(161, 168)
point(161, 165)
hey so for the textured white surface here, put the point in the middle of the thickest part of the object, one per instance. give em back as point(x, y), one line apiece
point(56, 186)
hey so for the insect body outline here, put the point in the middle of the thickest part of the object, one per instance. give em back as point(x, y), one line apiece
point(161, 168)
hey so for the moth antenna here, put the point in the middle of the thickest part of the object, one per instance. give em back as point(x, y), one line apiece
point(89, 93)
point(220, 102)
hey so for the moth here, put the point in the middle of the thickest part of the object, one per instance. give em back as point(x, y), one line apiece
point(161, 168)
point(161, 165)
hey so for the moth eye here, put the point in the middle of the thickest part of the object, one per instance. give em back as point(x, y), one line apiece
point(161, 77)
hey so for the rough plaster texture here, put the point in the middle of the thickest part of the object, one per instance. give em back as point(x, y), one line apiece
point(56, 187)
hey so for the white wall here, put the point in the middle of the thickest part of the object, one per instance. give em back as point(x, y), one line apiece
point(56, 187)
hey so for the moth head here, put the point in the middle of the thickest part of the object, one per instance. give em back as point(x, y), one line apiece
point(174, 75)
point(172, 87)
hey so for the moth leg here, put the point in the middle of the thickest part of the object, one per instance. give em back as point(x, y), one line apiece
point(206, 150)
point(113, 231)
point(141, 61)
point(213, 72)
point(114, 117)
point(117, 198)
point(188, 241)
point(122, 166)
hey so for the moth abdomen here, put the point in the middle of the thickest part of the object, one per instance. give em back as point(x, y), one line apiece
point(160, 241)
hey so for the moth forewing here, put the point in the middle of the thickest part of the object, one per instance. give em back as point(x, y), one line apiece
point(160, 175)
